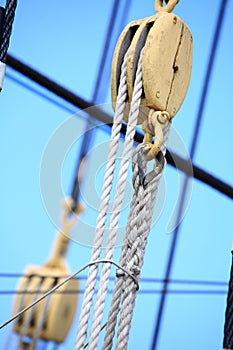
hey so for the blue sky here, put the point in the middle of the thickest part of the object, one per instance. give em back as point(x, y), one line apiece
point(64, 41)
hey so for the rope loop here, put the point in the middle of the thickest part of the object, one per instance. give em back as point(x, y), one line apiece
point(160, 162)
point(170, 5)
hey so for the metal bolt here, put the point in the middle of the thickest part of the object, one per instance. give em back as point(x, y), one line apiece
point(158, 94)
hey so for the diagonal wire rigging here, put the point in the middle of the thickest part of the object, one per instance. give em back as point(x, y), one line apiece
point(143, 279)
point(141, 291)
point(89, 133)
point(173, 159)
point(39, 93)
point(52, 290)
point(169, 291)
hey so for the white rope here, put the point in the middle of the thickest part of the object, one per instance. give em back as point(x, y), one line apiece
point(116, 296)
point(20, 306)
point(42, 318)
point(119, 196)
point(29, 315)
point(137, 230)
point(137, 241)
point(104, 204)
point(52, 290)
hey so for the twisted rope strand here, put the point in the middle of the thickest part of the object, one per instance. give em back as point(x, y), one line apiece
point(137, 243)
point(228, 326)
point(114, 220)
point(119, 282)
point(136, 250)
point(7, 28)
point(119, 286)
point(104, 204)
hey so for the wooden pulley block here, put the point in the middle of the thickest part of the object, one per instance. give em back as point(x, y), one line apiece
point(166, 61)
point(121, 48)
point(52, 317)
point(62, 304)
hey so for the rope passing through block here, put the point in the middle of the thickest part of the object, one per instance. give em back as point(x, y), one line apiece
point(166, 62)
point(52, 318)
point(150, 75)
point(138, 227)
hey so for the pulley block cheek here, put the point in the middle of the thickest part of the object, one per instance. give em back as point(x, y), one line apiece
point(121, 48)
point(166, 62)
point(137, 44)
point(62, 304)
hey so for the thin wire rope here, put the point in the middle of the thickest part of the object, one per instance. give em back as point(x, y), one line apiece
point(105, 53)
point(173, 159)
point(141, 291)
point(117, 204)
point(143, 279)
point(91, 263)
point(103, 209)
point(195, 138)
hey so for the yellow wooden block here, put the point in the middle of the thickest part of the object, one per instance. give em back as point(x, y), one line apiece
point(61, 308)
point(166, 62)
point(52, 317)
point(121, 48)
